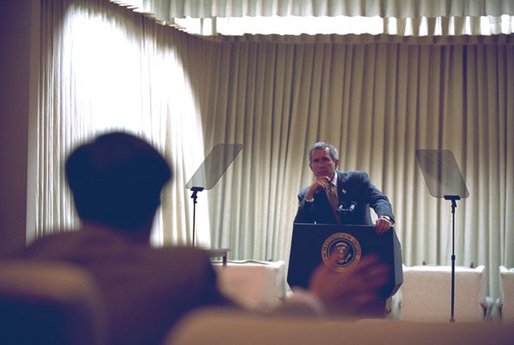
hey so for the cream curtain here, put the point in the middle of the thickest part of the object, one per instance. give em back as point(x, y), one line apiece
point(378, 98)
point(102, 69)
point(396, 17)
point(165, 10)
point(377, 101)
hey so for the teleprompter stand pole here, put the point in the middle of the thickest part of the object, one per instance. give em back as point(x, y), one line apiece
point(444, 180)
point(194, 196)
point(453, 199)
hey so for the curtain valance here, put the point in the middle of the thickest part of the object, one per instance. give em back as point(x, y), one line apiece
point(166, 10)
point(352, 39)
point(294, 17)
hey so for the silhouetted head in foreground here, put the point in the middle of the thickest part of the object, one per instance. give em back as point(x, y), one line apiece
point(116, 180)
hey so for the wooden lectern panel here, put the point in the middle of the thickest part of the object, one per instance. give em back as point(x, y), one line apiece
point(312, 244)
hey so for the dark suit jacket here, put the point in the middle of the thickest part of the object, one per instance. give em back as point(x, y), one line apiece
point(356, 195)
point(145, 290)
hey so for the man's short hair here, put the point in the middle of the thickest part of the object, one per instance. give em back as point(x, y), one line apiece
point(320, 145)
point(117, 180)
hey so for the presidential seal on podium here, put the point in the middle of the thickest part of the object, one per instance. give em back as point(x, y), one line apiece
point(344, 248)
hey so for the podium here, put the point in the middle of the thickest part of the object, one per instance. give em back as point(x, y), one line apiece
point(312, 245)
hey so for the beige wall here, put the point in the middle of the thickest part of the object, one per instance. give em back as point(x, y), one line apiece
point(17, 74)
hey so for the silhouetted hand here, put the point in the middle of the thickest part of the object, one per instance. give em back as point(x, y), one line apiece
point(349, 292)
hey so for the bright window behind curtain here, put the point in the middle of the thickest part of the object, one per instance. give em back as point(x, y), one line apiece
point(343, 25)
point(104, 69)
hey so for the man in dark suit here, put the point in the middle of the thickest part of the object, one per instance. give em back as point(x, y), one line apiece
point(343, 197)
point(340, 197)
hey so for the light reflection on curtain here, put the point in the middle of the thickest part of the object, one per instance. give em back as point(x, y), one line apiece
point(376, 98)
point(105, 68)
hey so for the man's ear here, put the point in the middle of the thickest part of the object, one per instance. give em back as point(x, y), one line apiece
point(336, 162)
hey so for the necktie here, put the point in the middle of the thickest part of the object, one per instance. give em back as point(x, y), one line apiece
point(334, 201)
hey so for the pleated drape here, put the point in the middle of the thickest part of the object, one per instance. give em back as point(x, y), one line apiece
point(377, 99)
point(104, 68)
point(378, 102)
